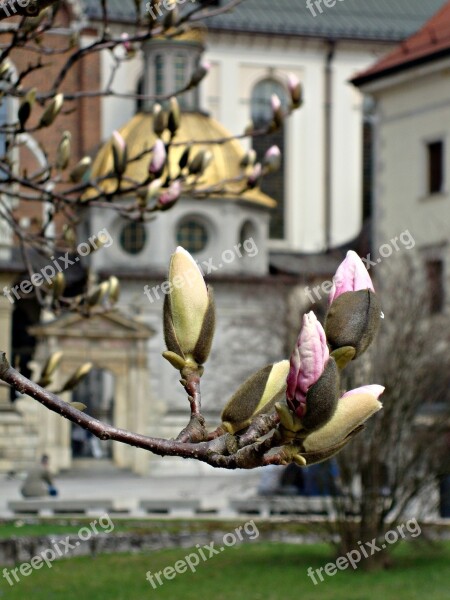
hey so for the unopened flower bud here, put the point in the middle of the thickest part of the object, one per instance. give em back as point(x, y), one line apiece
point(277, 112)
point(170, 196)
point(258, 395)
point(120, 153)
point(355, 311)
point(159, 157)
point(174, 116)
point(200, 162)
point(248, 160)
point(189, 314)
point(81, 169)
point(52, 111)
point(255, 176)
point(312, 383)
point(159, 120)
point(353, 409)
point(63, 151)
point(272, 159)
point(295, 90)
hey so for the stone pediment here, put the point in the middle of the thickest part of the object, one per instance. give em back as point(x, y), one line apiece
point(111, 325)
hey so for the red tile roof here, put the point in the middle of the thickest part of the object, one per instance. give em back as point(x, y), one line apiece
point(430, 42)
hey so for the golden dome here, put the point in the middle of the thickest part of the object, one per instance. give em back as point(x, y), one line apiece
point(139, 136)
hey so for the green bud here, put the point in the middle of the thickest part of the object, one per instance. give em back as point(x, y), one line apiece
point(258, 395)
point(80, 169)
point(353, 320)
point(52, 111)
point(189, 316)
point(174, 116)
point(159, 120)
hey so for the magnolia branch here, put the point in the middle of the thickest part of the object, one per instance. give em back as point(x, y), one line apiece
point(214, 452)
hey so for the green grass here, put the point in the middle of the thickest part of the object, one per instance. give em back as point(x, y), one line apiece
point(254, 571)
point(26, 526)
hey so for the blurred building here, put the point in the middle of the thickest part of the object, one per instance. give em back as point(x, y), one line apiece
point(260, 248)
point(410, 88)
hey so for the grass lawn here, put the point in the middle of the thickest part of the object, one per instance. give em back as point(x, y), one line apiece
point(253, 571)
point(29, 526)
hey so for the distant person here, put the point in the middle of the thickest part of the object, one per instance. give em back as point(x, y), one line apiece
point(38, 482)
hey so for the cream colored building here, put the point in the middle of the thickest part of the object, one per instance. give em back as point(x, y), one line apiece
point(411, 90)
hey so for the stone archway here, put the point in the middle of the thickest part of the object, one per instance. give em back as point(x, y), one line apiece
point(111, 342)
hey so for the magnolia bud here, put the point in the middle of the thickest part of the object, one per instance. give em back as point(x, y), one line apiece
point(120, 153)
point(159, 120)
point(295, 90)
point(76, 378)
point(49, 368)
point(353, 409)
point(174, 116)
point(114, 289)
point(200, 162)
point(353, 320)
point(255, 176)
point(25, 107)
point(159, 157)
point(63, 151)
point(189, 314)
point(170, 196)
point(272, 159)
point(184, 160)
point(313, 380)
point(248, 160)
point(277, 112)
point(80, 169)
point(52, 111)
point(258, 395)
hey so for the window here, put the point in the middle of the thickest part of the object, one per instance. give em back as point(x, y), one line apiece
point(159, 75)
point(368, 155)
point(192, 235)
point(435, 278)
point(180, 77)
point(133, 238)
point(435, 160)
point(273, 185)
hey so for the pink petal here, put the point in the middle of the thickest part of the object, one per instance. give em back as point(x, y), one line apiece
point(351, 276)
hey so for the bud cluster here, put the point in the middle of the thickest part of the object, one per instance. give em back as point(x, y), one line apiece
point(315, 420)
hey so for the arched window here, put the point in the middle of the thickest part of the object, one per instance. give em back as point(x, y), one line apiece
point(273, 184)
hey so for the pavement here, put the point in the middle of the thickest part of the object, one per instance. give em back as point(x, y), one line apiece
point(126, 490)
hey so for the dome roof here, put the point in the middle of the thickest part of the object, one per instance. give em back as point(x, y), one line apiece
point(138, 133)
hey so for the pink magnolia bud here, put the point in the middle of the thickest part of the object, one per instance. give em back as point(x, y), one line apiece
point(272, 159)
point(159, 157)
point(119, 140)
point(255, 176)
point(307, 363)
point(126, 44)
point(351, 276)
point(171, 195)
point(295, 89)
point(275, 102)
